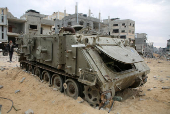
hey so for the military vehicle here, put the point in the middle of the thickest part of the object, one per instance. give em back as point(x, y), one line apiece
point(93, 67)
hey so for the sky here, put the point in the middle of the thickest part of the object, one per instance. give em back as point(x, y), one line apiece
point(151, 16)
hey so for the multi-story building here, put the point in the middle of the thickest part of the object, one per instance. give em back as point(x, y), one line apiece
point(57, 15)
point(142, 47)
point(124, 29)
point(31, 22)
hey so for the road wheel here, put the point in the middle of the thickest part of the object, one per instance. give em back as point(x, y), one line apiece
point(46, 76)
point(58, 82)
point(30, 68)
point(72, 88)
point(37, 71)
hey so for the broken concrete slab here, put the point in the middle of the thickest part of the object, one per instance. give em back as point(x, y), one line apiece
point(29, 111)
point(1, 86)
point(166, 87)
point(17, 91)
point(22, 79)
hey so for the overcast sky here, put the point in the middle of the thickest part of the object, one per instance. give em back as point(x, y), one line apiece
point(151, 16)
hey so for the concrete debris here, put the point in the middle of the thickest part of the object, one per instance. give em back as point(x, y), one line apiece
point(1, 86)
point(118, 113)
point(154, 76)
point(168, 76)
point(142, 94)
point(22, 79)
point(53, 101)
point(80, 101)
point(159, 62)
point(150, 89)
point(166, 87)
point(97, 107)
point(55, 89)
point(154, 87)
point(17, 91)
point(29, 111)
point(140, 99)
point(117, 98)
point(42, 81)
point(2, 68)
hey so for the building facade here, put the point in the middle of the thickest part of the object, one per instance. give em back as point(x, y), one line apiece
point(124, 29)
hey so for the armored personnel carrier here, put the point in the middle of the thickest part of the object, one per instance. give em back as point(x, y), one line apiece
point(90, 66)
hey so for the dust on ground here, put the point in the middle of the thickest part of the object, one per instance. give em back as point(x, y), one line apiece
point(42, 99)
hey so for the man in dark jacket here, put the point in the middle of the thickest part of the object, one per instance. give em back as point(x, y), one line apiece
point(10, 48)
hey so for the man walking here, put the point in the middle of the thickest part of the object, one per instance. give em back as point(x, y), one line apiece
point(10, 48)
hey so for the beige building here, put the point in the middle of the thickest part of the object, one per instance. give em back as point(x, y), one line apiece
point(121, 28)
point(56, 15)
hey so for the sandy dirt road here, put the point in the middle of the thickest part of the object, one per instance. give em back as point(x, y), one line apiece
point(42, 99)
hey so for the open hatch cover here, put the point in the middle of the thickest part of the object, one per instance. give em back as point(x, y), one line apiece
point(126, 55)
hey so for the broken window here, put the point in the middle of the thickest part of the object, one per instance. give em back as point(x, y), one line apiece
point(123, 31)
point(41, 32)
point(115, 24)
point(123, 24)
point(129, 31)
point(2, 35)
point(2, 11)
point(69, 23)
point(2, 28)
point(114, 65)
point(2, 19)
point(81, 23)
point(115, 30)
point(33, 26)
point(123, 36)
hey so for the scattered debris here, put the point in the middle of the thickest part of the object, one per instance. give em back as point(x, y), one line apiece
point(117, 98)
point(2, 68)
point(17, 91)
point(42, 81)
point(140, 99)
point(150, 89)
point(166, 87)
point(154, 87)
point(29, 111)
point(1, 86)
point(159, 62)
point(142, 94)
point(154, 76)
point(80, 101)
point(22, 79)
point(168, 76)
point(161, 80)
point(55, 89)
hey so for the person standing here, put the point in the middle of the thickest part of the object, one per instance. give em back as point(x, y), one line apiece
point(10, 48)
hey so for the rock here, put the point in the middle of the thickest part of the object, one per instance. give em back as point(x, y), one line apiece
point(80, 101)
point(42, 81)
point(29, 111)
point(53, 101)
point(161, 80)
point(17, 91)
point(1, 86)
point(154, 87)
point(2, 68)
point(22, 79)
point(97, 107)
point(150, 89)
point(117, 98)
point(168, 76)
point(154, 76)
point(118, 113)
point(55, 89)
point(166, 87)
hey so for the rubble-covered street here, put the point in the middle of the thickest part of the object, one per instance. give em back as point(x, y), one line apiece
point(28, 93)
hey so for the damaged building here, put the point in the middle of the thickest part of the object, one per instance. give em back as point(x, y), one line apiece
point(124, 29)
point(32, 22)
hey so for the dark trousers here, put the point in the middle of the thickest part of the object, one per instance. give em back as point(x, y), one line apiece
point(10, 55)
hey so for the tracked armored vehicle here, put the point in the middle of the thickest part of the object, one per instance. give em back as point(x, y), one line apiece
point(91, 66)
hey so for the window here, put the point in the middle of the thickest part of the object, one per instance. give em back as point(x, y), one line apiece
point(2, 35)
point(2, 11)
point(130, 24)
point(69, 23)
point(2, 28)
point(123, 36)
point(132, 32)
point(115, 30)
point(2, 18)
point(123, 31)
point(81, 23)
point(133, 25)
point(123, 24)
point(88, 24)
point(53, 28)
point(33, 26)
point(129, 31)
point(41, 32)
point(115, 24)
